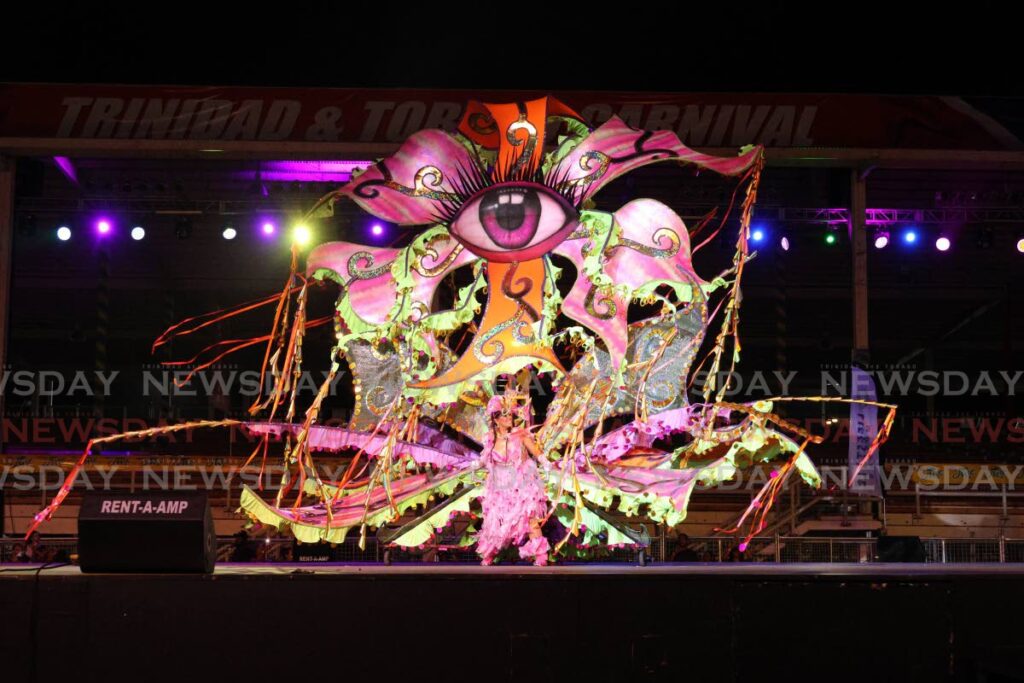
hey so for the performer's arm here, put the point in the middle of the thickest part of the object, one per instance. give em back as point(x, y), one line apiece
point(529, 443)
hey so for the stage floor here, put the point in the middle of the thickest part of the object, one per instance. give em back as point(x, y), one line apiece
point(732, 622)
point(710, 569)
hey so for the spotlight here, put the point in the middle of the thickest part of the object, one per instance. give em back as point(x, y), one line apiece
point(103, 227)
point(784, 243)
point(63, 233)
point(881, 239)
point(229, 233)
point(1020, 245)
point(910, 236)
point(943, 243)
point(831, 237)
point(183, 228)
point(757, 234)
point(377, 229)
point(138, 232)
point(301, 235)
point(268, 228)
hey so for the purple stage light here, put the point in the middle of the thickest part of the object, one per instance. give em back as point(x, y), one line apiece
point(67, 168)
point(268, 228)
point(103, 226)
point(943, 243)
point(305, 171)
point(377, 229)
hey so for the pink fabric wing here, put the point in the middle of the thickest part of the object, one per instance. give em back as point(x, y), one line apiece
point(616, 443)
point(654, 245)
point(408, 187)
point(676, 485)
point(366, 272)
point(349, 510)
point(614, 149)
point(436, 448)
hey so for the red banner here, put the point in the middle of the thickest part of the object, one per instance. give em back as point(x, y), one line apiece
point(731, 120)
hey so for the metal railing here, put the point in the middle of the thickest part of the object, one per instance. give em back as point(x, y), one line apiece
point(785, 549)
point(777, 549)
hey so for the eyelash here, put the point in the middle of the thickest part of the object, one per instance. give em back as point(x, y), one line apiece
point(474, 180)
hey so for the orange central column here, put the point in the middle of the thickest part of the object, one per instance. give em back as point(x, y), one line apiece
point(515, 300)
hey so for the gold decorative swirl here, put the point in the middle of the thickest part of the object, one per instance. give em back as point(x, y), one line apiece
point(667, 391)
point(530, 143)
point(440, 267)
point(659, 251)
point(428, 179)
point(489, 339)
point(607, 302)
point(426, 183)
point(420, 309)
point(368, 271)
point(377, 400)
point(586, 163)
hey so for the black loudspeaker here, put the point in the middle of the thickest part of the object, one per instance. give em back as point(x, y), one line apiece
point(900, 549)
point(163, 531)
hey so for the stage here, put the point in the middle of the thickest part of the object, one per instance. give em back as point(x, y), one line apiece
point(451, 622)
point(523, 570)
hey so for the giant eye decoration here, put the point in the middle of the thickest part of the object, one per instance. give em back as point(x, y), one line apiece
point(513, 222)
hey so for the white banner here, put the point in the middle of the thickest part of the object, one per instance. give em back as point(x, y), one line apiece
point(863, 429)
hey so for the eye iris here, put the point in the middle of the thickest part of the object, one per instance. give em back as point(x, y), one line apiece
point(510, 216)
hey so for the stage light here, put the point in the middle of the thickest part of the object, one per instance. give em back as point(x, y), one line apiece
point(1020, 245)
point(229, 233)
point(301, 235)
point(943, 243)
point(881, 239)
point(103, 227)
point(63, 233)
point(910, 236)
point(784, 243)
point(757, 234)
point(138, 232)
point(268, 228)
point(377, 229)
point(831, 237)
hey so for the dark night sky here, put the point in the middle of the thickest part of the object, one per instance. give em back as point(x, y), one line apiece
point(770, 46)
